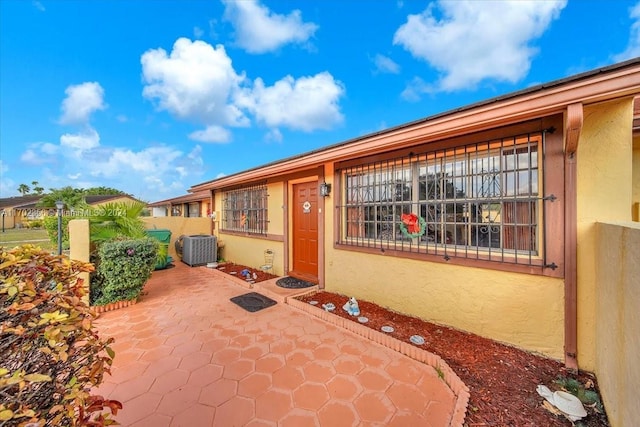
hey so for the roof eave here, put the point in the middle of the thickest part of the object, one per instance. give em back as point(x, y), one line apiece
point(194, 197)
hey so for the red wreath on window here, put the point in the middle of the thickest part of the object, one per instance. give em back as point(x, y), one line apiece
point(411, 221)
point(412, 225)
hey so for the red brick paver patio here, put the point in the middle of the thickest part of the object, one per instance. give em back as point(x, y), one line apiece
point(187, 356)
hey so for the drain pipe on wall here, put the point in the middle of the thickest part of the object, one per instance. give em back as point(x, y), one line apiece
point(574, 121)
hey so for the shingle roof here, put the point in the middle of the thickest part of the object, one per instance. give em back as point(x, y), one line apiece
point(19, 201)
point(30, 202)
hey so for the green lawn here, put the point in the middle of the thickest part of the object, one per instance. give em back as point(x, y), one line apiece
point(19, 236)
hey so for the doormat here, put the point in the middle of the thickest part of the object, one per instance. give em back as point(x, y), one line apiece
point(293, 283)
point(253, 301)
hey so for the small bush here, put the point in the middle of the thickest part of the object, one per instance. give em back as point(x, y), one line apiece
point(51, 353)
point(34, 223)
point(51, 225)
point(124, 267)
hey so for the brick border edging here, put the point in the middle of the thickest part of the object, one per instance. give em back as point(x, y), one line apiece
point(112, 306)
point(453, 381)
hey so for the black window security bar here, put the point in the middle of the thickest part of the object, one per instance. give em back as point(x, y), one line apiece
point(478, 201)
point(245, 209)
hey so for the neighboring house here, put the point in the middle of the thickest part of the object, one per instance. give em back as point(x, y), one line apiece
point(504, 190)
point(15, 210)
point(190, 205)
point(22, 210)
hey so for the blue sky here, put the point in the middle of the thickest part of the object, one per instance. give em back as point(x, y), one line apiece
point(151, 97)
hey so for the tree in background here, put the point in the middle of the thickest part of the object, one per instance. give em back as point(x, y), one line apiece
point(103, 191)
point(75, 197)
point(72, 197)
point(24, 189)
point(36, 188)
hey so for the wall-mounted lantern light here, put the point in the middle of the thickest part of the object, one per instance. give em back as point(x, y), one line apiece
point(325, 189)
point(59, 207)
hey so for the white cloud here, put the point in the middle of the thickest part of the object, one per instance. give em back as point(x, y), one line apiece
point(212, 133)
point(49, 148)
point(633, 46)
point(473, 41)
point(274, 135)
point(39, 153)
point(384, 64)
point(7, 185)
point(307, 103)
point(38, 5)
point(259, 30)
point(181, 171)
point(149, 161)
point(31, 157)
point(122, 118)
point(415, 89)
point(8, 188)
point(197, 32)
point(83, 141)
point(82, 161)
point(150, 173)
point(196, 81)
point(81, 101)
point(195, 156)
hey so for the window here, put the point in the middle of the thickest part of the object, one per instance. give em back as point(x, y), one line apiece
point(479, 201)
point(245, 209)
point(193, 209)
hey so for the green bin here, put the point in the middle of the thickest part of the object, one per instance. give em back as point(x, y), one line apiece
point(164, 237)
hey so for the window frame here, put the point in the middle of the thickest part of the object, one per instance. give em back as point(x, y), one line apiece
point(194, 209)
point(549, 217)
point(245, 210)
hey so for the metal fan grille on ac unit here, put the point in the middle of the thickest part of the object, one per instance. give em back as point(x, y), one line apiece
point(199, 250)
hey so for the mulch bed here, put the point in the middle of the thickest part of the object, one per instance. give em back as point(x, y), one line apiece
point(502, 380)
point(236, 270)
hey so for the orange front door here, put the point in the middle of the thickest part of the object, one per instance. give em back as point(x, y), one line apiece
point(305, 231)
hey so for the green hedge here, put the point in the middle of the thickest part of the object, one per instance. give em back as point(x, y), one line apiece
point(51, 225)
point(124, 266)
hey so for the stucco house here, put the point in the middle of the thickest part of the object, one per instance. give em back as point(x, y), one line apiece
point(489, 218)
point(189, 205)
point(19, 211)
point(12, 209)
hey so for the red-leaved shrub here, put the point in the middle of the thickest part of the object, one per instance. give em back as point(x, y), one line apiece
point(51, 353)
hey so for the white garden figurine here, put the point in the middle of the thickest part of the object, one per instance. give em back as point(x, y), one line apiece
point(351, 307)
point(568, 404)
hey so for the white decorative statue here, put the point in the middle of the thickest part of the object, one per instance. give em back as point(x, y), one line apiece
point(351, 307)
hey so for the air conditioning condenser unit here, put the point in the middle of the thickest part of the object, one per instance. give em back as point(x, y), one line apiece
point(199, 250)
